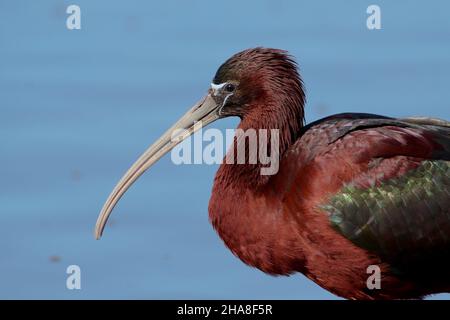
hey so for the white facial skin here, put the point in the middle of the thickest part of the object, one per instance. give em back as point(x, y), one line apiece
point(216, 91)
point(216, 87)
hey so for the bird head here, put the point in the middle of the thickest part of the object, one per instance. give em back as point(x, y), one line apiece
point(253, 78)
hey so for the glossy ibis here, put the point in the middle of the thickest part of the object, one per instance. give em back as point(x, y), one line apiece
point(353, 190)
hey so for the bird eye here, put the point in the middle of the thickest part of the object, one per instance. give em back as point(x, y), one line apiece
point(230, 87)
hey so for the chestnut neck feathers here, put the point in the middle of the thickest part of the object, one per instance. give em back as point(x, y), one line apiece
point(273, 98)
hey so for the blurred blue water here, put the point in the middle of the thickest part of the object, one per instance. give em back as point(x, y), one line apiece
point(78, 107)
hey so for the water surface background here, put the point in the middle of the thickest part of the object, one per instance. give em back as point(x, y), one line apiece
point(78, 107)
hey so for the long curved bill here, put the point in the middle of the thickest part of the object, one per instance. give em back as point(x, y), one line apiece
point(205, 111)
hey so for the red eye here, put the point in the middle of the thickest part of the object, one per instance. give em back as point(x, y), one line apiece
point(230, 87)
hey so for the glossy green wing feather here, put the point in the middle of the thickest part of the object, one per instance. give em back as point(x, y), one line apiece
point(401, 218)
